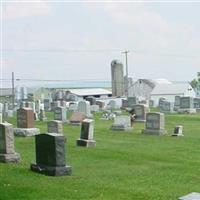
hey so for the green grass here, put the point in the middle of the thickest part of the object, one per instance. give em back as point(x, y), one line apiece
point(123, 165)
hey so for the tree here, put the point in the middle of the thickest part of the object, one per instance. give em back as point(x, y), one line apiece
point(195, 83)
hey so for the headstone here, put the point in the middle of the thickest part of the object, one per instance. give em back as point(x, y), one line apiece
point(196, 103)
point(101, 104)
point(30, 97)
point(155, 123)
point(167, 107)
point(161, 101)
point(151, 103)
point(178, 131)
point(50, 155)
point(94, 108)
point(42, 115)
point(124, 104)
point(121, 123)
point(77, 118)
point(25, 123)
point(132, 101)
point(191, 196)
point(84, 107)
point(73, 107)
point(5, 110)
point(55, 126)
point(112, 105)
point(60, 113)
point(92, 100)
point(7, 151)
point(186, 105)
point(140, 111)
point(47, 104)
point(37, 106)
point(87, 131)
point(54, 105)
point(177, 103)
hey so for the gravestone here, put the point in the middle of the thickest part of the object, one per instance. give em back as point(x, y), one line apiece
point(121, 123)
point(151, 103)
point(5, 110)
point(132, 101)
point(167, 107)
point(47, 104)
point(191, 196)
point(161, 101)
point(25, 123)
point(54, 105)
point(84, 107)
point(37, 106)
point(55, 126)
point(101, 104)
point(178, 131)
point(73, 107)
point(92, 100)
point(196, 103)
point(60, 113)
point(7, 151)
point(87, 132)
point(50, 155)
point(94, 108)
point(112, 105)
point(186, 105)
point(42, 115)
point(124, 104)
point(140, 111)
point(177, 103)
point(155, 124)
point(77, 118)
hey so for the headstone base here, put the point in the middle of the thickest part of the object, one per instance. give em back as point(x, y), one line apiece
point(23, 132)
point(189, 111)
point(140, 120)
point(86, 143)
point(52, 171)
point(7, 158)
point(120, 128)
point(177, 134)
point(154, 132)
point(75, 123)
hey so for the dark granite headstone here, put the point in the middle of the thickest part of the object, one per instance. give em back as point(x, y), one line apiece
point(50, 155)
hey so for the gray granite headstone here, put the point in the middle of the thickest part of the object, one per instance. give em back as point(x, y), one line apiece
point(140, 111)
point(155, 123)
point(7, 151)
point(55, 126)
point(186, 105)
point(50, 155)
point(60, 113)
point(121, 123)
point(84, 107)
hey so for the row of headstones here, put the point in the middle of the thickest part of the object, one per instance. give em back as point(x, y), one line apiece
point(49, 147)
point(154, 124)
point(181, 105)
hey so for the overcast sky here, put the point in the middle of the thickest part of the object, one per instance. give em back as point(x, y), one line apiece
point(71, 41)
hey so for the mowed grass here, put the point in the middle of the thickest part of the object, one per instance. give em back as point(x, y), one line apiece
point(123, 165)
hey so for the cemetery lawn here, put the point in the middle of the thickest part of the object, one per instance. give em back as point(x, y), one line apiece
point(123, 165)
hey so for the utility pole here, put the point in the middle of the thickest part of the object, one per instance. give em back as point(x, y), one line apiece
point(126, 77)
point(13, 91)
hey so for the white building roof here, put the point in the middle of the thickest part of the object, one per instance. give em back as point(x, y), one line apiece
point(175, 89)
point(90, 92)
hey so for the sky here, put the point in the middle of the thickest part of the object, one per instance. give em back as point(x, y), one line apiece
point(60, 40)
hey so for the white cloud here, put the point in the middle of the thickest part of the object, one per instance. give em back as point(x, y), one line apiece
point(14, 10)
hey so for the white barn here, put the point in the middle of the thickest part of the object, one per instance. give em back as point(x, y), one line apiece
point(142, 88)
point(169, 91)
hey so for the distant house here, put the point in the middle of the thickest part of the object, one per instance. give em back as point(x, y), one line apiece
point(169, 91)
point(80, 94)
point(142, 88)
